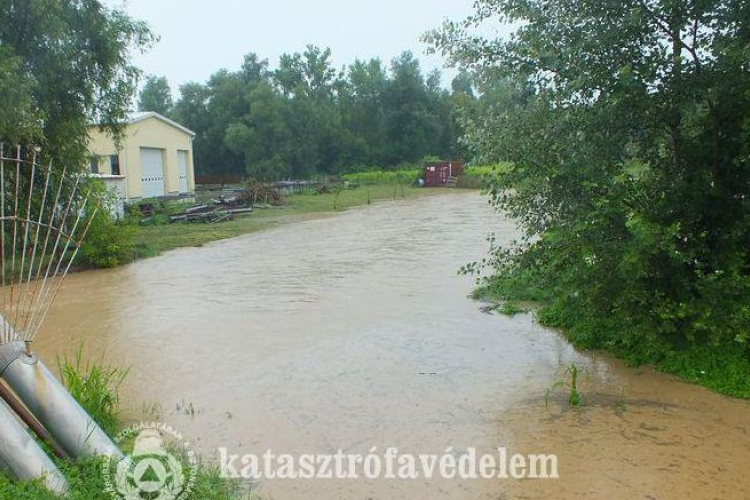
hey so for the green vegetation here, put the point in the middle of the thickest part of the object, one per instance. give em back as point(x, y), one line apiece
point(62, 63)
point(153, 240)
point(107, 244)
point(483, 171)
point(570, 383)
point(401, 176)
point(473, 178)
point(156, 96)
point(628, 168)
point(510, 309)
point(574, 397)
point(87, 483)
point(96, 387)
point(307, 118)
point(48, 103)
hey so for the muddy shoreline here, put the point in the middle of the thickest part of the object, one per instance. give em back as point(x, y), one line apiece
point(639, 434)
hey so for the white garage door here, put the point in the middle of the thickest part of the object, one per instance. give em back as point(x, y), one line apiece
point(182, 168)
point(152, 172)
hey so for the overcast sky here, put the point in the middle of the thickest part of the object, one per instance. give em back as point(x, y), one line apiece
point(198, 37)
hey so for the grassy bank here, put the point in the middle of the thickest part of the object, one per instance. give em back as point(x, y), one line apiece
point(153, 240)
point(719, 367)
point(96, 387)
point(473, 178)
point(404, 176)
point(87, 483)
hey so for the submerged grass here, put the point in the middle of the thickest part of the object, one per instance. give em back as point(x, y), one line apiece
point(720, 368)
point(570, 383)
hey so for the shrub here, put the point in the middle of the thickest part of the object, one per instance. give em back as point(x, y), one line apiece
point(628, 181)
point(108, 243)
point(95, 386)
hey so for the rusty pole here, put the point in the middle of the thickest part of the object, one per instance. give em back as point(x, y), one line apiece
point(29, 419)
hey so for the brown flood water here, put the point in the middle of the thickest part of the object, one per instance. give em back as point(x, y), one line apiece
point(355, 332)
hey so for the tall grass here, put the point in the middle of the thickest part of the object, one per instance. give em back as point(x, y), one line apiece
point(572, 374)
point(404, 176)
point(87, 483)
point(411, 174)
point(95, 386)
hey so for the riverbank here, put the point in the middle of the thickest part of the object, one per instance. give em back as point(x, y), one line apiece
point(723, 369)
point(96, 386)
point(354, 332)
point(646, 435)
point(87, 482)
point(154, 240)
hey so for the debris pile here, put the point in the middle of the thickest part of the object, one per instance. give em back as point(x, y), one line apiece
point(260, 195)
point(208, 214)
point(224, 208)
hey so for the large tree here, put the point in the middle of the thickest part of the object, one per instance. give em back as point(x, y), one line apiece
point(260, 135)
point(156, 95)
point(63, 63)
point(191, 110)
point(414, 122)
point(363, 112)
point(627, 124)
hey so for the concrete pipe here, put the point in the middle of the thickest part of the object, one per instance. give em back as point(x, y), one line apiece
point(48, 400)
point(24, 457)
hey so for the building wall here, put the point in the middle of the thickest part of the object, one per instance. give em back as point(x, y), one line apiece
point(148, 133)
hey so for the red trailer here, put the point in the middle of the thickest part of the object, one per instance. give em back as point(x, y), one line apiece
point(444, 173)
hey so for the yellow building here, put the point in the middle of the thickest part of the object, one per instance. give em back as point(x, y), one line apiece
point(155, 158)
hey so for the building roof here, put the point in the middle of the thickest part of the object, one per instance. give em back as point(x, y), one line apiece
point(141, 116)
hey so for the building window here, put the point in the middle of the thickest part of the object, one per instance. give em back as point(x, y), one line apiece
point(94, 164)
point(114, 162)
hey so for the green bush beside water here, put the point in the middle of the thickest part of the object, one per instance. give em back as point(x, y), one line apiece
point(629, 180)
point(108, 244)
point(720, 365)
point(95, 386)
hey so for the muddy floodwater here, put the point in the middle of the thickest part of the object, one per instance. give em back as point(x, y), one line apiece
point(355, 332)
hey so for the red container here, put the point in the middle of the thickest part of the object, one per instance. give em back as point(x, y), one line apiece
point(443, 173)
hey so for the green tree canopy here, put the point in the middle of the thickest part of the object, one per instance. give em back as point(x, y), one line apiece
point(306, 118)
point(627, 124)
point(156, 95)
point(61, 64)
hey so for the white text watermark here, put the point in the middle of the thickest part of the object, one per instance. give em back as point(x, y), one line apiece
point(389, 464)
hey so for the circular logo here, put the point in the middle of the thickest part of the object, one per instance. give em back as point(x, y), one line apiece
point(162, 465)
